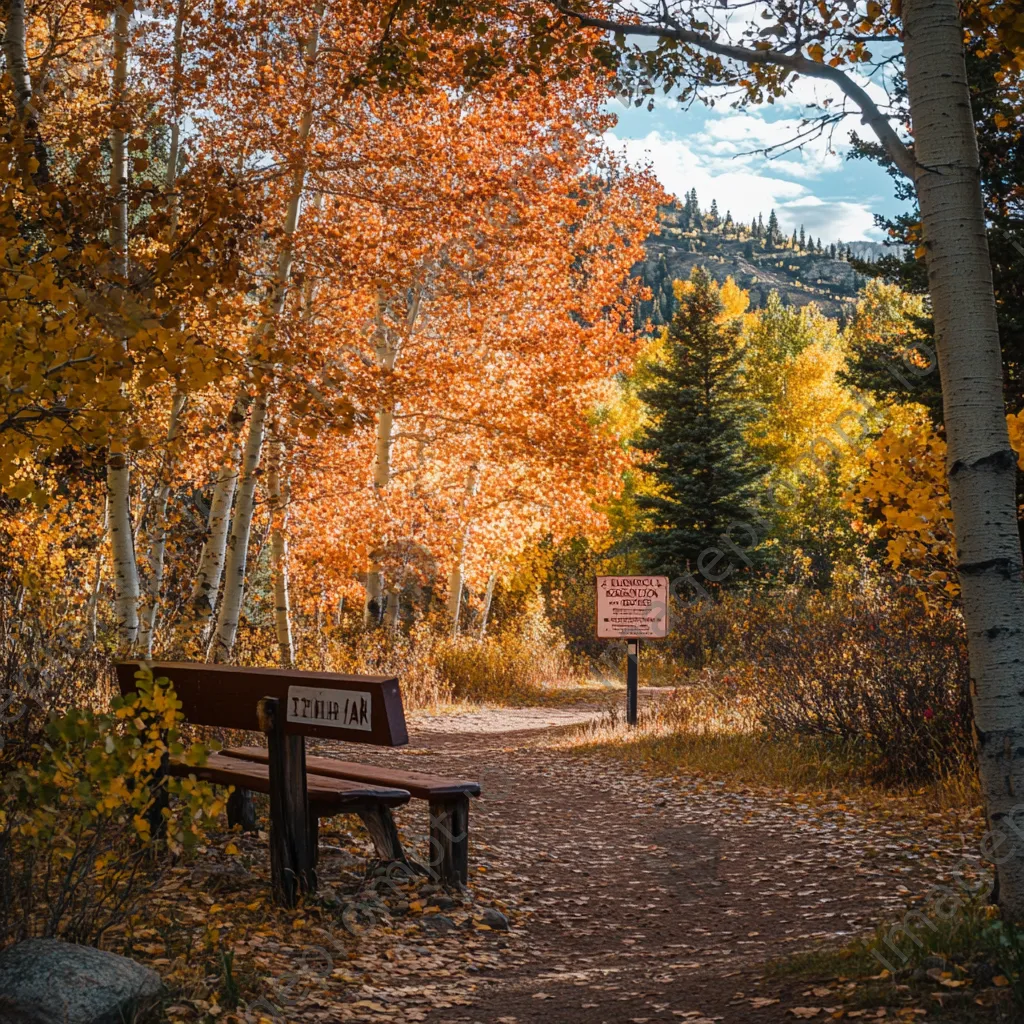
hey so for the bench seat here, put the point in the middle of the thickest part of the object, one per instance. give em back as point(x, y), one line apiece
point(326, 797)
point(420, 785)
point(448, 799)
point(325, 793)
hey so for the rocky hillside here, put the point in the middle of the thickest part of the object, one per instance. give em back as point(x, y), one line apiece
point(760, 265)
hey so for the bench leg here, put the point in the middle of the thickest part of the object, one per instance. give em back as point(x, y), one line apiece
point(314, 836)
point(241, 810)
point(380, 824)
point(449, 841)
point(292, 865)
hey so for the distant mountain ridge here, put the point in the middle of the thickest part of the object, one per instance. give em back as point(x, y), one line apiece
point(801, 274)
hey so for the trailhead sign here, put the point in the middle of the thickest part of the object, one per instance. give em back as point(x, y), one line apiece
point(342, 709)
point(632, 607)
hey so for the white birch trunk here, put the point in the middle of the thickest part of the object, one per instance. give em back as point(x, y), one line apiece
point(455, 579)
point(386, 352)
point(981, 466)
point(238, 544)
point(158, 540)
point(488, 598)
point(373, 603)
point(122, 546)
point(126, 572)
point(93, 606)
point(173, 151)
point(385, 355)
point(380, 598)
point(237, 550)
point(392, 604)
point(16, 57)
point(278, 493)
point(211, 560)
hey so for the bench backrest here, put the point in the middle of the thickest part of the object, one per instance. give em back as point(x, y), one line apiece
point(359, 709)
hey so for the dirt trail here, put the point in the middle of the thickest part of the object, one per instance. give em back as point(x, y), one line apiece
point(638, 899)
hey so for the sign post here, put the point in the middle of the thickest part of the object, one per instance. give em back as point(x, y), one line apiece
point(632, 680)
point(632, 608)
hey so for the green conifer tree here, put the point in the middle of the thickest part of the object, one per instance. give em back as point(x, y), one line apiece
point(705, 471)
point(803, 239)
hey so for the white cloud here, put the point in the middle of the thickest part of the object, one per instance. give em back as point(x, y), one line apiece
point(829, 220)
point(717, 161)
point(795, 150)
point(680, 167)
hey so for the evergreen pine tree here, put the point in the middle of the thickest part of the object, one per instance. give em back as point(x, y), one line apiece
point(803, 240)
point(691, 202)
point(714, 212)
point(774, 234)
point(698, 220)
point(819, 248)
point(793, 241)
point(753, 229)
point(705, 470)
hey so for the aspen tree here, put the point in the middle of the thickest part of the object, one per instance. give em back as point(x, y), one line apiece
point(278, 493)
point(455, 581)
point(211, 558)
point(15, 56)
point(158, 534)
point(122, 544)
point(488, 598)
point(981, 466)
point(241, 524)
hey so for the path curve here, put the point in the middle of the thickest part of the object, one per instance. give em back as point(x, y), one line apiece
point(642, 899)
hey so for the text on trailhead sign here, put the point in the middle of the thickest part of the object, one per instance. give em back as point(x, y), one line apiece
point(632, 606)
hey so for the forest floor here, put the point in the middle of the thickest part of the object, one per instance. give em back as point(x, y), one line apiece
point(630, 897)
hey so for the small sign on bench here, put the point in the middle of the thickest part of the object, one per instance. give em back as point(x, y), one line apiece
point(343, 709)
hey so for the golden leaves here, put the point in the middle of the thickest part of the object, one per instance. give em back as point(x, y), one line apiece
point(904, 483)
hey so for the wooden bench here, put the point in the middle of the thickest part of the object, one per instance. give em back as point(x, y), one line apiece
point(448, 800)
point(287, 706)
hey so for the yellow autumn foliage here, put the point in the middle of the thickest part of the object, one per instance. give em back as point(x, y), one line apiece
point(809, 400)
point(903, 498)
point(735, 300)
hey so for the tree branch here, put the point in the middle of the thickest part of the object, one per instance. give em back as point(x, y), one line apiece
point(900, 155)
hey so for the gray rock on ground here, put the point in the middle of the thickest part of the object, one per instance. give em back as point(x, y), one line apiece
point(46, 981)
point(496, 920)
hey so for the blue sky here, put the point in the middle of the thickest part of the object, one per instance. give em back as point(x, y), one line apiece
point(707, 148)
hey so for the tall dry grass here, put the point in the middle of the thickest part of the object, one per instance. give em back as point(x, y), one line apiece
point(711, 728)
point(435, 668)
